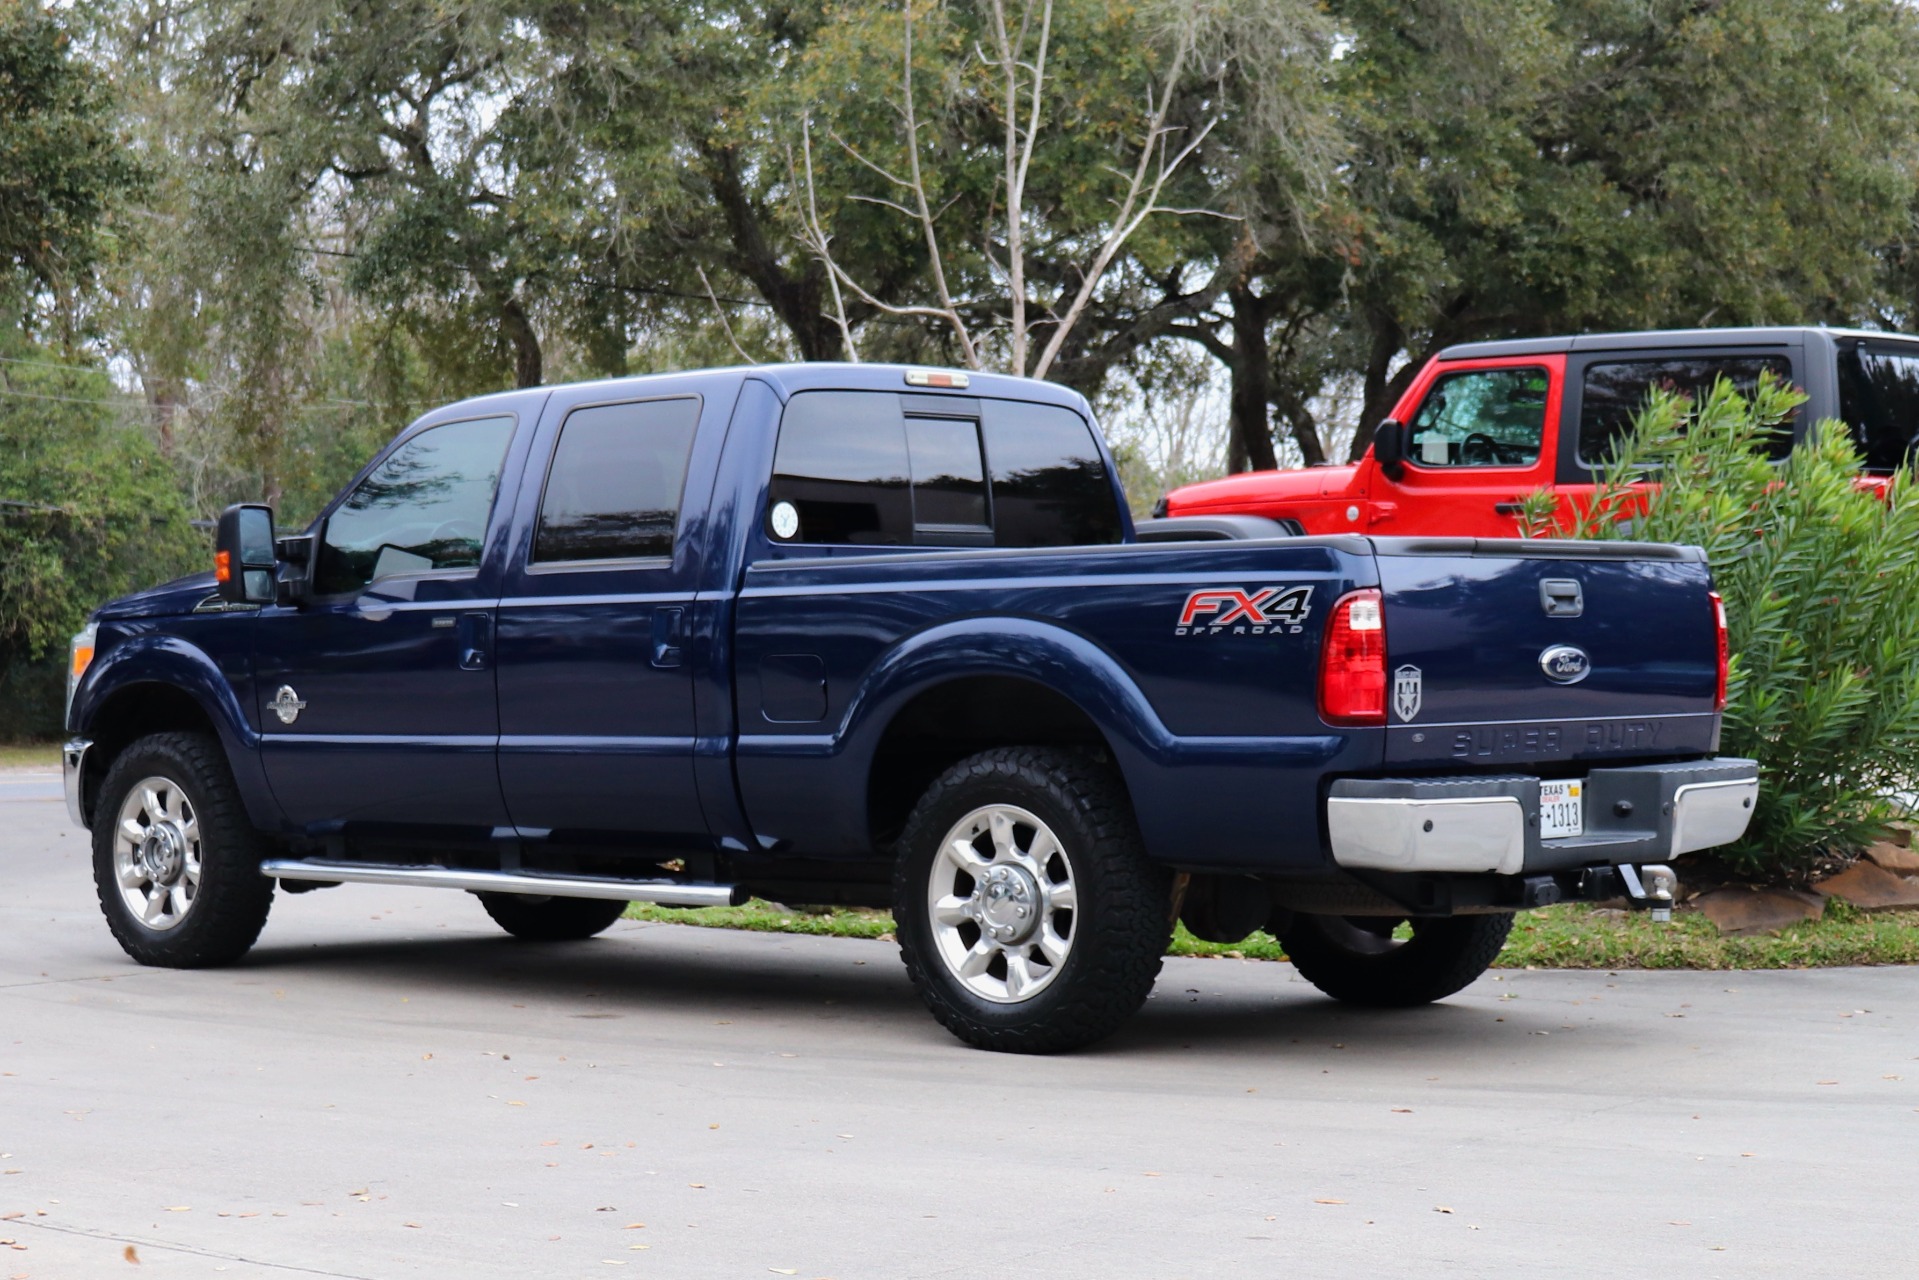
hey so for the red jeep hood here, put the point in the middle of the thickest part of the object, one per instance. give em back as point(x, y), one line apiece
point(1248, 492)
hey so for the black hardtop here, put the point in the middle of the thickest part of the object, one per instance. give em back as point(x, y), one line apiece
point(1664, 339)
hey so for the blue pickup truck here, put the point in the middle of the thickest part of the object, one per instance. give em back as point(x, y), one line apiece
point(889, 636)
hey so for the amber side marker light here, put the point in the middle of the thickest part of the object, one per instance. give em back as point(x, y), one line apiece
point(937, 378)
point(223, 566)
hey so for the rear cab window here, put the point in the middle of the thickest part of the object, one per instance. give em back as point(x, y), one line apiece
point(878, 469)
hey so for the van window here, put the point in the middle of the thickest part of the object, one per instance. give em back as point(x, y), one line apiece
point(424, 508)
point(1879, 399)
point(1481, 418)
point(613, 488)
point(1613, 392)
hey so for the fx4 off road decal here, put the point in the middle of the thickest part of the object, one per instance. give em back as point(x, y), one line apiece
point(1213, 611)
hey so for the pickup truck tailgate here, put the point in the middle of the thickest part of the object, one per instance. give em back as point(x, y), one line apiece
point(1508, 653)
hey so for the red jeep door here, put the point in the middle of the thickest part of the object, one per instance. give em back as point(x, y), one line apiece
point(1478, 441)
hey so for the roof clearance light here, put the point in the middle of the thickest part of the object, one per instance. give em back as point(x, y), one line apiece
point(937, 378)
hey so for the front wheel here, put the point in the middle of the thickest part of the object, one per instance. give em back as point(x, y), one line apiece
point(1030, 919)
point(542, 919)
point(1359, 960)
point(175, 861)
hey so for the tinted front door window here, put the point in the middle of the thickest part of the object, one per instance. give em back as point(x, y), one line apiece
point(1613, 392)
point(1481, 418)
point(424, 508)
point(1879, 398)
point(613, 490)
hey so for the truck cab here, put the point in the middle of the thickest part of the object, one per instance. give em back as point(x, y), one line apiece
point(1485, 424)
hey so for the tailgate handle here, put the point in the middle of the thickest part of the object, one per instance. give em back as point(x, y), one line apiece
point(1561, 597)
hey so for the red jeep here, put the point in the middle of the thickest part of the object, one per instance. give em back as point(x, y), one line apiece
point(1486, 423)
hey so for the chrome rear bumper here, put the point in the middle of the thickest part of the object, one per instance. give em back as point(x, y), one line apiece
point(1645, 813)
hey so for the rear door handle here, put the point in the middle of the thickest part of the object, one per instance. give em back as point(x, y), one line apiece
point(666, 636)
point(1509, 508)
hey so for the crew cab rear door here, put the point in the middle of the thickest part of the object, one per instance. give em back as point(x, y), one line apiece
point(597, 627)
point(1516, 654)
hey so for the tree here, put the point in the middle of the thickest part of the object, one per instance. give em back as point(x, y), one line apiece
point(62, 171)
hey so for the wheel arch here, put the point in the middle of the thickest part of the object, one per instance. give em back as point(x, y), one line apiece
point(161, 685)
point(972, 685)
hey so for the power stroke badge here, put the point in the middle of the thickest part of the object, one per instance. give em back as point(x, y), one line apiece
point(1258, 611)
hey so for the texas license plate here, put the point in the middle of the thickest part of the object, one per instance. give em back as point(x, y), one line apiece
point(1561, 810)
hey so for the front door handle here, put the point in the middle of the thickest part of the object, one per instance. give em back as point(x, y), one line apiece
point(476, 640)
point(666, 636)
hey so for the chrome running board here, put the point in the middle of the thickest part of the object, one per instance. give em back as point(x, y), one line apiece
point(665, 893)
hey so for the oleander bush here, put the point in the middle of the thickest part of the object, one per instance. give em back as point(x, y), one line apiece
point(1820, 577)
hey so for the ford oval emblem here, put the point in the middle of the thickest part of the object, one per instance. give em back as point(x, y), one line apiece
point(1564, 664)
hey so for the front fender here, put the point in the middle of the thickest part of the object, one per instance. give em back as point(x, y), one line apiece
point(145, 661)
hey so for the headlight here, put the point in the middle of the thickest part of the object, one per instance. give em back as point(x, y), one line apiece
point(80, 657)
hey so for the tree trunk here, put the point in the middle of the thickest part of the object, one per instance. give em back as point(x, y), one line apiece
point(1251, 448)
point(1382, 392)
point(528, 364)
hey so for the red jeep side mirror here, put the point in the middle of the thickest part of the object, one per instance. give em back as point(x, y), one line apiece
point(1389, 447)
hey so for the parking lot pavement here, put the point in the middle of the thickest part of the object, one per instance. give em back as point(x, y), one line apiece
point(387, 1088)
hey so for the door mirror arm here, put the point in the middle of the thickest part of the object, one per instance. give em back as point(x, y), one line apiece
point(1389, 448)
point(293, 582)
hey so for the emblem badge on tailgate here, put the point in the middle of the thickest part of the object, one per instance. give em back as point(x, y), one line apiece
point(1237, 611)
point(1406, 690)
point(1564, 664)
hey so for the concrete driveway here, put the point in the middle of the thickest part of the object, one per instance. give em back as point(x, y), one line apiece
point(388, 1087)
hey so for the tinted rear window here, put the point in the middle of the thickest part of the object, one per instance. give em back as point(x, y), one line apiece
point(1613, 392)
point(842, 463)
point(1050, 487)
point(613, 489)
point(1879, 399)
point(858, 470)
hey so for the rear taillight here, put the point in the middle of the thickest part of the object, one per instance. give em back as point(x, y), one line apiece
point(1352, 664)
point(1725, 651)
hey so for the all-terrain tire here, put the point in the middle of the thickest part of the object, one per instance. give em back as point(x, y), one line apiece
point(1347, 958)
point(551, 919)
point(1116, 928)
point(217, 916)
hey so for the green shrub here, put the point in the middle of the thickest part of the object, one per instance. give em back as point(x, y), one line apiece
point(1821, 583)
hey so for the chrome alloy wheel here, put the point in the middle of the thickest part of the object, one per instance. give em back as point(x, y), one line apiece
point(156, 853)
point(1001, 898)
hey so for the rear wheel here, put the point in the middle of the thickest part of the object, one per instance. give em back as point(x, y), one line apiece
point(1030, 919)
point(1357, 959)
point(540, 919)
point(175, 862)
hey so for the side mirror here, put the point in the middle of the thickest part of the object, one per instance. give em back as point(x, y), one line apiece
point(243, 561)
point(1389, 447)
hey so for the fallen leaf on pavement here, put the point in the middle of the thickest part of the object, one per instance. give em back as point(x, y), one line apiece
point(1326, 1200)
point(132, 1255)
point(1442, 1208)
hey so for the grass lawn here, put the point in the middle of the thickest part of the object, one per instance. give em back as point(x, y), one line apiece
point(1562, 937)
point(15, 755)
